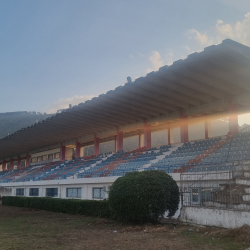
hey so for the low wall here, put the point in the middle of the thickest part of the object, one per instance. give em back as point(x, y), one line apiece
point(215, 217)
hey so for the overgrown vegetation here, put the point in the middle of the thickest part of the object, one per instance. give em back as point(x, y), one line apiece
point(143, 196)
point(70, 206)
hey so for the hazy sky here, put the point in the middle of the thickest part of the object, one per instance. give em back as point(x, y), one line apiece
point(56, 52)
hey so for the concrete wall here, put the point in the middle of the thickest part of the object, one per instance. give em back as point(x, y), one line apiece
point(131, 143)
point(52, 151)
point(107, 147)
point(45, 153)
point(159, 138)
point(88, 150)
point(86, 184)
point(219, 127)
point(68, 153)
point(6, 191)
point(196, 131)
point(176, 135)
point(215, 217)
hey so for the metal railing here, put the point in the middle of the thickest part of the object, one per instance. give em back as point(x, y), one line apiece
point(245, 128)
point(216, 189)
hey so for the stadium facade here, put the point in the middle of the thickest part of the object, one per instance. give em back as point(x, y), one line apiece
point(175, 119)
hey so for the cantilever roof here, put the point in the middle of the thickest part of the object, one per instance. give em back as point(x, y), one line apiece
point(217, 73)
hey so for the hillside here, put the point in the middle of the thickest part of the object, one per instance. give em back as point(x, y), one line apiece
point(13, 121)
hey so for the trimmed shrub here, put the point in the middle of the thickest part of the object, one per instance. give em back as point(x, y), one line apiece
point(71, 206)
point(143, 196)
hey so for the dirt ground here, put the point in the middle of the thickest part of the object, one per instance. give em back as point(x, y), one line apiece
point(29, 229)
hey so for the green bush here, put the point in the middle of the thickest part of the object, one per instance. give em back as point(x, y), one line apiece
point(143, 196)
point(71, 206)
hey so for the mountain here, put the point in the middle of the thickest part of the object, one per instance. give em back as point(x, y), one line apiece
point(10, 122)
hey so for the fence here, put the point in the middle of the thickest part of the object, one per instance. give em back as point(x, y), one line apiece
point(216, 189)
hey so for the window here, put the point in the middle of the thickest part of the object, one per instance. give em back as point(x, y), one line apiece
point(20, 192)
point(22, 163)
point(15, 164)
point(34, 191)
point(98, 193)
point(206, 194)
point(74, 192)
point(56, 155)
point(33, 160)
point(8, 166)
point(39, 158)
point(195, 195)
point(51, 192)
point(50, 156)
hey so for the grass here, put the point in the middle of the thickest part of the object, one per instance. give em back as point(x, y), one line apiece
point(225, 243)
point(27, 229)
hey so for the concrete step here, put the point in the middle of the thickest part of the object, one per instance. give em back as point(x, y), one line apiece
point(246, 197)
point(243, 181)
point(247, 174)
point(245, 167)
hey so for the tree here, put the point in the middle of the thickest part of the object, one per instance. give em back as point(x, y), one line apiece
point(143, 196)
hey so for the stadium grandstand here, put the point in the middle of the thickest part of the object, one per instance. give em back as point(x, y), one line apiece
point(182, 119)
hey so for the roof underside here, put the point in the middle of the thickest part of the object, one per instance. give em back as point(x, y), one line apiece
point(217, 73)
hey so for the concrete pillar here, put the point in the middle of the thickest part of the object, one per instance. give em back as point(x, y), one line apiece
point(206, 130)
point(96, 145)
point(233, 117)
point(169, 136)
point(27, 160)
point(78, 149)
point(184, 127)
point(115, 143)
point(147, 135)
point(63, 152)
point(119, 140)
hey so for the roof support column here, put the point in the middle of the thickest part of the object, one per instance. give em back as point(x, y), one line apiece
point(147, 135)
point(27, 160)
point(115, 143)
point(169, 136)
point(63, 153)
point(119, 140)
point(233, 117)
point(96, 145)
point(207, 129)
point(78, 149)
point(184, 127)
point(139, 139)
